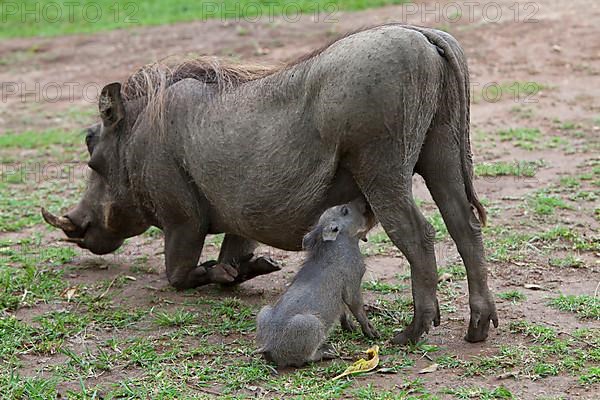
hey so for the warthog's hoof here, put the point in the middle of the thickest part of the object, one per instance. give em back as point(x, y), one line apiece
point(421, 324)
point(483, 310)
point(220, 273)
point(253, 268)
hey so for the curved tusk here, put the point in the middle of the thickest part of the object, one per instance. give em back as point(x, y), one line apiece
point(63, 223)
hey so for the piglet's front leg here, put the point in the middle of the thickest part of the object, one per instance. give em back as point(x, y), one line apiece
point(354, 301)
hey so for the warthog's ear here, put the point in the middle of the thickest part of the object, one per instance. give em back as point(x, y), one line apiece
point(111, 105)
point(330, 232)
point(309, 241)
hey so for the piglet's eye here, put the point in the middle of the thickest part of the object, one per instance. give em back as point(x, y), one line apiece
point(345, 211)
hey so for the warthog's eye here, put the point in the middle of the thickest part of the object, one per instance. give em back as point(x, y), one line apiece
point(344, 211)
point(98, 164)
point(93, 166)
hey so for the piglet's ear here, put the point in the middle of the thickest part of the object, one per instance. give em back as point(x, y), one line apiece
point(330, 233)
point(310, 239)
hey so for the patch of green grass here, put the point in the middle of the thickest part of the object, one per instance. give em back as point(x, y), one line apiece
point(40, 140)
point(568, 261)
point(179, 317)
point(19, 210)
point(539, 333)
point(29, 273)
point(379, 243)
point(580, 241)
point(546, 355)
point(140, 266)
point(526, 138)
point(502, 168)
point(20, 205)
point(584, 306)
point(27, 184)
point(436, 220)
point(522, 111)
point(568, 125)
point(228, 315)
point(584, 195)
point(15, 386)
point(408, 390)
point(457, 270)
point(559, 141)
point(546, 369)
point(505, 244)
point(543, 203)
point(102, 15)
point(154, 232)
point(513, 295)
point(383, 287)
point(15, 337)
point(590, 376)
point(569, 182)
point(480, 393)
point(390, 315)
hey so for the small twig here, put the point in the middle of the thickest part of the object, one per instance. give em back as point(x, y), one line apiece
point(596, 291)
point(108, 288)
point(579, 339)
point(206, 390)
point(382, 311)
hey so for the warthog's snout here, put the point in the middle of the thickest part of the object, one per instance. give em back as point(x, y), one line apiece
point(79, 231)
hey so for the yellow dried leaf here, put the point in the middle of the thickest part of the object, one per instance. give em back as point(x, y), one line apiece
point(69, 293)
point(362, 365)
point(429, 369)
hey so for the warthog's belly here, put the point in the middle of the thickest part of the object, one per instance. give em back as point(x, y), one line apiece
point(285, 227)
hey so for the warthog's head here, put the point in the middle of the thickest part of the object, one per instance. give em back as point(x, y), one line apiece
point(107, 214)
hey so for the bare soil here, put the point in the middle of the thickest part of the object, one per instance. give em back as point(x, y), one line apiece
point(560, 50)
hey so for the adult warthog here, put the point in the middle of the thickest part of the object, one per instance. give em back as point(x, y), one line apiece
point(200, 147)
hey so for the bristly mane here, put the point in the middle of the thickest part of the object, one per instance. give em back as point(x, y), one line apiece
point(150, 78)
point(149, 83)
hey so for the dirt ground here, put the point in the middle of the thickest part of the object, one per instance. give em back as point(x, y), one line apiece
point(558, 48)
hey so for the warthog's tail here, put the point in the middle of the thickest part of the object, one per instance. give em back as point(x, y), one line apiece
point(453, 53)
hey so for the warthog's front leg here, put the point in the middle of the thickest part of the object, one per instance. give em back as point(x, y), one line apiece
point(183, 247)
point(239, 253)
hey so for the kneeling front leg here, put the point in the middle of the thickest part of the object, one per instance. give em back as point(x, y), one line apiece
point(183, 248)
point(238, 252)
